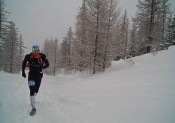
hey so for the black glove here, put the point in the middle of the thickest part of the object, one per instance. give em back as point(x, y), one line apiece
point(43, 67)
point(23, 74)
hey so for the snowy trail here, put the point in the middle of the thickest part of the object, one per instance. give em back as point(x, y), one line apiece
point(15, 104)
point(126, 93)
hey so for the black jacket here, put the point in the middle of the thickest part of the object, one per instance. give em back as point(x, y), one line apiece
point(35, 64)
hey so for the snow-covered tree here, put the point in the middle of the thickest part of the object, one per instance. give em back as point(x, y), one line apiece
point(173, 30)
point(102, 16)
point(3, 24)
point(11, 50)
point(170, 36)
point(21, 48)
point(133, 39)
point(55, 56)
point(165, 10)
point(145, 18)
point(66, 51)
point(124, 33)
point(160, 26)
point(80, 45)
point(112, 14)
point(3, 19)
point(50, 48)
point(96, 18)
point(95, 35)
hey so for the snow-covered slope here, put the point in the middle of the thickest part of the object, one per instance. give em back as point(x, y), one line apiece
point(143, 92)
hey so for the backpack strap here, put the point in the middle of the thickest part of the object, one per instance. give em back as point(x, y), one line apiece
point(31, 60)
point(40, 60)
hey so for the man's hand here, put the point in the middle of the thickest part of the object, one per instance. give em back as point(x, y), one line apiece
point(43, 67)
point(24, 74)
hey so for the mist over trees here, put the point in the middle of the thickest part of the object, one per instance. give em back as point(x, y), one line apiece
point(103, 33)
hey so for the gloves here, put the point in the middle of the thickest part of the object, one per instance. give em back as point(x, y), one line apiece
point(23, 74)
point(43, 67)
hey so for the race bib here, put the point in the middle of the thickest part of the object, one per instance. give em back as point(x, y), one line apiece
point(31, 83)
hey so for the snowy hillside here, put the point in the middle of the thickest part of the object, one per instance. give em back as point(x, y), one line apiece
point(143, 92)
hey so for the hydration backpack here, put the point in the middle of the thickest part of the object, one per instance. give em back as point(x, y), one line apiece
point(35, 61)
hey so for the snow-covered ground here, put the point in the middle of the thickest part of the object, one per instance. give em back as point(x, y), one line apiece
point(143, 92)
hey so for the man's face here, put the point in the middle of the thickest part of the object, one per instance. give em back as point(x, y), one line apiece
point(35, 53)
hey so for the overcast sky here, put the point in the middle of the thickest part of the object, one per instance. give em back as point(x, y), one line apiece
point(41, 19)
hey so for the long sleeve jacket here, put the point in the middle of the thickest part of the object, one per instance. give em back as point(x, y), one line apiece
point(35, 64)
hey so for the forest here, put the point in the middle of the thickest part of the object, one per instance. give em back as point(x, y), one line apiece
point(103, 33)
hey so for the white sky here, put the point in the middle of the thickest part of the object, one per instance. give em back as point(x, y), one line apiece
point(41, 19)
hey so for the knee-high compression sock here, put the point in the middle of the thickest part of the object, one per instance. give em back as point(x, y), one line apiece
point(32, 99)
point(35, 94)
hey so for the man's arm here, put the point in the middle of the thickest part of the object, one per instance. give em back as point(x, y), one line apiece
point(46, 64)
point(24, 66)
point(46, 61)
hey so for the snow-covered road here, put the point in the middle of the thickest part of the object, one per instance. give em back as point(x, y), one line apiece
point(125, 93)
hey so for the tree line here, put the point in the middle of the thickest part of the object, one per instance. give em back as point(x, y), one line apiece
point(104, 33)
point(11, 43)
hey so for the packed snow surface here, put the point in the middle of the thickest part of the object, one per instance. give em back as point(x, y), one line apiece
point(143, 92)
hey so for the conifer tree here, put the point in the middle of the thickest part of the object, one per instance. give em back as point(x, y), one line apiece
point(50, 48)
point(124, 33)
point(112, 13)
point(165, 10)
point(133, 39)
point(170, 36)
point(145, 17)
point(80, 45)
point(55, 56)
point(66, 51)
point(11, 49)
point(95, 35)
point(21, 48)
point(3, 26)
